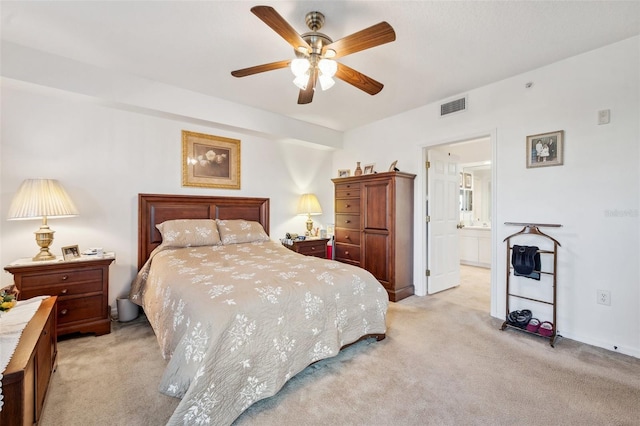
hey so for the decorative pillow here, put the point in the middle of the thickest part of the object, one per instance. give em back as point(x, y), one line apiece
point(236, 231)
point(189, 233)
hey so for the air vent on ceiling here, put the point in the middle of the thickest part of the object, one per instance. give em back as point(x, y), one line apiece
point(453, 106)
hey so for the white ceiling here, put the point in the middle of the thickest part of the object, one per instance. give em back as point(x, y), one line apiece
point(442, 49)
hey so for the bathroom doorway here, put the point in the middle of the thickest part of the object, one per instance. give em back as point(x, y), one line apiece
point(476, 201)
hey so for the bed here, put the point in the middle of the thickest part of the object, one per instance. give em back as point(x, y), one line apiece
point(236, 314)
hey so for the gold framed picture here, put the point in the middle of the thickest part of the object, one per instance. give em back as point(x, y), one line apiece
point(210, 161)
point(344, 173)
point(545, 149)
point(70, 252)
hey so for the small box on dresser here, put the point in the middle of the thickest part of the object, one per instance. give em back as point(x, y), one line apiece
point(82, 287)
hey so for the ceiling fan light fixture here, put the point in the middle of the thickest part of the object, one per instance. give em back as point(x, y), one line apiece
point(328, 67)
point(330, 53)
point(326, 82)
point(300, 66)
point(301, 81)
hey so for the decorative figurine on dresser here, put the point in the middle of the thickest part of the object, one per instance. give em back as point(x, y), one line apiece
point(81, 284)
point(374, 227)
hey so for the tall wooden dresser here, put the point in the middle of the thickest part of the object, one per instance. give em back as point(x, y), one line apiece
point(374, 228)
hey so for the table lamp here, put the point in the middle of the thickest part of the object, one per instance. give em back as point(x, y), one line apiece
point(309, 205)
point(41, 198)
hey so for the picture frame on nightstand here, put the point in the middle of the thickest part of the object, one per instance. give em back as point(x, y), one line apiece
point(70, 252)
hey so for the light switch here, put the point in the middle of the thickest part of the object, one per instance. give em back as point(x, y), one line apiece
point(604, 116)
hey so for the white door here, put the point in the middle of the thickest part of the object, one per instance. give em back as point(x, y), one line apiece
point(443, 208)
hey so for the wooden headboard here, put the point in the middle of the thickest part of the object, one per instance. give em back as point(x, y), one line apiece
point(154, 209)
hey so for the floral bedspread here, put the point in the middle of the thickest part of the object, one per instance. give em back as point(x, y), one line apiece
point(235, 322)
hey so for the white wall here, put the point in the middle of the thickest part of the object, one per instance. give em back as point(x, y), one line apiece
point(104, 156)
point(107, 139)
point(594, 195)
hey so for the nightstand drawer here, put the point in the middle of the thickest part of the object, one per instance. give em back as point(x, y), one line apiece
point(80, 309)
point(63, 277)
point(317, 248)
point(64, 289)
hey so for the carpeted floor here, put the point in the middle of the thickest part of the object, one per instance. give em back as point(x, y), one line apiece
point(444, 362)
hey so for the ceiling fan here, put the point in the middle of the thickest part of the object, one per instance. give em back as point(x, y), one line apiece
point(316, 53)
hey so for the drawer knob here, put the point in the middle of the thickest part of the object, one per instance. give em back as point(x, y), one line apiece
point(346, 252)
point(347, 237)
point(313, 248)
point(63, 312)
point(348, 205)
point(347, 221)
point(64, 291)
point(65, 277)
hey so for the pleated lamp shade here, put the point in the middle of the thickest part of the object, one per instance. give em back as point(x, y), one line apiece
point(42, 199)
point(38, 198)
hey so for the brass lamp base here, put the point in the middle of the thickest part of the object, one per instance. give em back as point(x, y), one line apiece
point(309, 225)
point(44, 238)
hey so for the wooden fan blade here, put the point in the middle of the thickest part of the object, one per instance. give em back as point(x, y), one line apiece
point(369, 37)
point(269, 16)
point(261, 68)
point(358, 79)
point(306, 96)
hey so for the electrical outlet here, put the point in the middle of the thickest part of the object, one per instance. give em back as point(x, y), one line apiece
point(604, 297)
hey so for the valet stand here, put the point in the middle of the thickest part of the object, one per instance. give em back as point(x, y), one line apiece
point(532, 228)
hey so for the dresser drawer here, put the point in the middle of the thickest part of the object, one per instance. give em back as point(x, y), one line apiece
point(348, 205)
point(80, 309)
point(347, 190)
point(347, 252)
point(348, 193)
point(349, 221)
point(62, 277)
point(348, 236)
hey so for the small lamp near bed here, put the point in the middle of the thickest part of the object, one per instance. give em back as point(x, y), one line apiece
point(309, 205)
point(42, 199)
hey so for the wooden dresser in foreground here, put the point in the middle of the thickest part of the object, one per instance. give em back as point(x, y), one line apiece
point(82, 287)
point(374, 228)
point(26, 378)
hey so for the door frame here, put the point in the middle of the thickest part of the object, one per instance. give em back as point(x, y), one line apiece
point(421, 224)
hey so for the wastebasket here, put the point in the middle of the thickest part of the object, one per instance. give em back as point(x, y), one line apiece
point(127, 310)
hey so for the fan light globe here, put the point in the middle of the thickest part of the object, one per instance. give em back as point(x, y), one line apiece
point(301, 81)
point(326, 82)
point(299, 66)
point(328, 67)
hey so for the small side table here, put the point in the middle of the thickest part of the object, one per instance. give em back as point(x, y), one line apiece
point(310, 247)
point(82, 287)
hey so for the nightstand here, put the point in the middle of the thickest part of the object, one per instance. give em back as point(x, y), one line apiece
point(310, 247)
point(82, 287)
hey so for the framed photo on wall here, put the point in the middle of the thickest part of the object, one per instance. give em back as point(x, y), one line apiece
point(210, 161)
point(545, 149)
